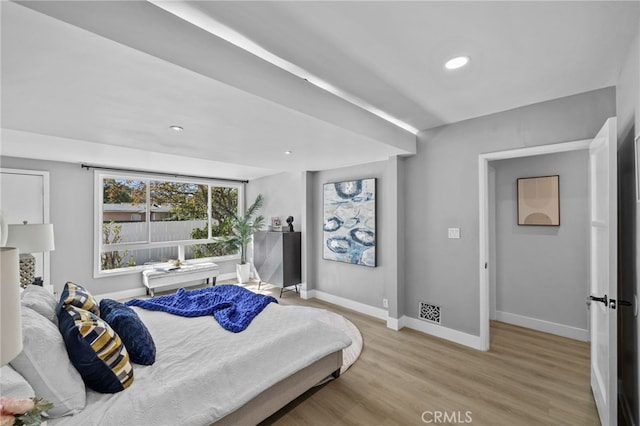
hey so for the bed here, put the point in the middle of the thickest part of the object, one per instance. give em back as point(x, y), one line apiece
point(204, 374)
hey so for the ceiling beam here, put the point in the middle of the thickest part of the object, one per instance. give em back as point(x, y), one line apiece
point(152, 30)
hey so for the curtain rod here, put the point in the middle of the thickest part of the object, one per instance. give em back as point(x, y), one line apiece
point(176, 175)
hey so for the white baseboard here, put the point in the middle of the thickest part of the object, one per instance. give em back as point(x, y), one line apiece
point(443, 332)
point(304, 294)
point(396, 323)
point(544, 326)
point(347, 303)
point(227, 276)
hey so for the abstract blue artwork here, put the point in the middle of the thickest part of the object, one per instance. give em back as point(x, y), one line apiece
point(350, 222)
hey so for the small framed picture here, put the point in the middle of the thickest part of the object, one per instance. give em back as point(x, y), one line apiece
point(539, 201)
point(276, 224)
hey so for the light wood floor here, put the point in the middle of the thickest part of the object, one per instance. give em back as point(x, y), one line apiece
point(407, 377)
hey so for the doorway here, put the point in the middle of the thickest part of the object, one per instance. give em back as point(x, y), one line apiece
point(540, 274)
point(484, 215)
point(603, 227)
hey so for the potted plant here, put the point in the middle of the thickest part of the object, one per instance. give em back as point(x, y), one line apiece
point(242, 228)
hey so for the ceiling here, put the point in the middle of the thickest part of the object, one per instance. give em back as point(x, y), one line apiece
point(118, 74)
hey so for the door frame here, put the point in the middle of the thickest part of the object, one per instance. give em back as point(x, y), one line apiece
point(46, 210)
point(484, 239)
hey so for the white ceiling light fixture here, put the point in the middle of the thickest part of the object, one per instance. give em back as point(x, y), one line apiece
point(176, 128)
point(288, 152)
point(457, 62)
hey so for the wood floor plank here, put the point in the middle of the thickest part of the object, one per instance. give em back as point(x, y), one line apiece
point(527, 378)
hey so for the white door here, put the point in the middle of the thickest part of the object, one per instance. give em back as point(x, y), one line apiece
point(24, 195)
point(604, 272)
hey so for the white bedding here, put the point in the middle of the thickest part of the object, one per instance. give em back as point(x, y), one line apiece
point(203, 372)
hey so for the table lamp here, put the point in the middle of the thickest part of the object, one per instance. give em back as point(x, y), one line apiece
point(10, 323)
point(30, 238)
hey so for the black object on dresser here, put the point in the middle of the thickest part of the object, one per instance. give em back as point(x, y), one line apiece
point(277, 258)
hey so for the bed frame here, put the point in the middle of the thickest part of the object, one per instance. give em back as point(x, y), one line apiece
point(277, 396)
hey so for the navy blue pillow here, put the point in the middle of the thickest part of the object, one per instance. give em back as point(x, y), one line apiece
point(131, 329)
point(95, 350)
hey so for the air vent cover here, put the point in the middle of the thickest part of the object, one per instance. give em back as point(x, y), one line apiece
point(429, 312)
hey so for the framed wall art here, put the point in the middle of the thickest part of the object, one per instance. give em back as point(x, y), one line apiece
point(349, 227)
point(539, 201)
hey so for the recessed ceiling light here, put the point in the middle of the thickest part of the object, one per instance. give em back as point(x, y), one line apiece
point(288, 152)
point(176, 128)
point(457, 62)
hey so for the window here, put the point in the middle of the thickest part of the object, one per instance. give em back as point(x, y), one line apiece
point(144, 220)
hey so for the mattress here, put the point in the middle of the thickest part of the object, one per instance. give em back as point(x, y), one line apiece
point(203, 372)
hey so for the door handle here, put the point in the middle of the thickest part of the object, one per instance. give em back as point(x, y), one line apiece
point(603, 299)
point(633, 305)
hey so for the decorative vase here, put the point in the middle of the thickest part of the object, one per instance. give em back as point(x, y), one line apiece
point(243, 272)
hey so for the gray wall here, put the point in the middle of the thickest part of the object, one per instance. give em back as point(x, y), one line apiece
point(301, 196)
point(442, 192)
point(283, 196)
point(358, 283)
point(72, 202)
point(542, 272)
point(628, 108)
point(420, 197)
point(439, 187)
point(393, 253)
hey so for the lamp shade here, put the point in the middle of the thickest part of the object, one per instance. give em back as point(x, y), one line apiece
point(10, 323)
point(31, 238)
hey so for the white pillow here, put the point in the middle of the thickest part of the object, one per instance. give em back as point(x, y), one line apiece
point(45, 364)
point(40, 300)
point(13, 385)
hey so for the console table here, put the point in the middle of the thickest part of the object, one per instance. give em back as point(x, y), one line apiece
point(165, 275)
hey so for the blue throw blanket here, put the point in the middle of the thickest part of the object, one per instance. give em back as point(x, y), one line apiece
point(234, 307)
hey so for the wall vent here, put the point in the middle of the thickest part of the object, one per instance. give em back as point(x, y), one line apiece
point(429, 313)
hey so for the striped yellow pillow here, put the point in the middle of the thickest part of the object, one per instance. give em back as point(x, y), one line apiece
point(76, 295)
point(95, 350)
